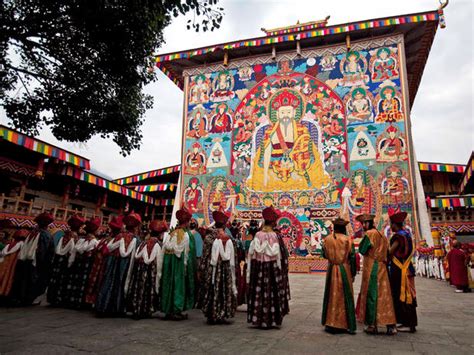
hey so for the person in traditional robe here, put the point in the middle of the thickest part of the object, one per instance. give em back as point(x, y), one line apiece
point(375, 304)
point(219, 289)
point(120, 255)
point(402, 273)
point(33, 268)
point(178, 269)
point(143, 280)
point(241, 264)
point(8, 260)
point(458, 261)
point(338, 304)
point(99, 259)
point(80, 269)
point(59, 285)
point(266, 304)
point(193, 227)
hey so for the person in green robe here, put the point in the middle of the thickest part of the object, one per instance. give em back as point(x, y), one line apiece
point(178, 269)
point(375, 304)
point(338, 304)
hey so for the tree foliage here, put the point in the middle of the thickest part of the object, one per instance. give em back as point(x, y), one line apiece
point(79, 66)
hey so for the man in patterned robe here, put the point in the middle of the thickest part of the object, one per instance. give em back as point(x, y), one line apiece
point(375, 304)
point(338, 304)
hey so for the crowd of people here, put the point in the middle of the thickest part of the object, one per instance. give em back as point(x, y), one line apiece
point(167, 270)
point(171, 271)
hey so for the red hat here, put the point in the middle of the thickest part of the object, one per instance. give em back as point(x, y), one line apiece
point(183, 216)
point(116, 224)
point(76, 221)
point(6, 223)
point(392, 129)
point(285, 98)
point(92, 225)
point(158, 226)
point(44, 219)
point(396, 216)
point(270, 214)
point(21, 234)
point(132, 220)
point(220, 217)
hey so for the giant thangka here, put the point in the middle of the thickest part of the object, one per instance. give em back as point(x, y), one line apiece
point(316, 133)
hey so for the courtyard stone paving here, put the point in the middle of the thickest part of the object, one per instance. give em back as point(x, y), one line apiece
point(446, 326)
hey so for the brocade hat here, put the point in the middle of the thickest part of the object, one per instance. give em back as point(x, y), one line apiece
point(116, 224)
point(269, 214)
point(158, 226)
point(340, 222)
point(21, 234)
point(183, 216)
point(44, 219)
point(132, 220)
point(365, 217)
point(76, 221)
point(220, 217)
point(396, 215)
point(92, 225)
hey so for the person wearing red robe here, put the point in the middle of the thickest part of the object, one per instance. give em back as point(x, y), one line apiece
point(457, 261)
point(100, 252)
point(8, 260)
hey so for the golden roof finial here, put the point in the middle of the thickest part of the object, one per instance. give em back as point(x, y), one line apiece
point(296, 28)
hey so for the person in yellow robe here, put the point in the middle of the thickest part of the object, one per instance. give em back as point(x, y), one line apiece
point(338, 304)
point(375, 304)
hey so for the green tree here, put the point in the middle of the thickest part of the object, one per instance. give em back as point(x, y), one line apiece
point(79, 66)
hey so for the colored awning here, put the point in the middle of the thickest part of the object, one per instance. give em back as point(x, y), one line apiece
point(153, 188)
point(106, 184)
point(167, 202)
point(467, 174)
point(150, 174)
point(445, 202)
point(447, 168)
point(41, 147)
point(319, 32)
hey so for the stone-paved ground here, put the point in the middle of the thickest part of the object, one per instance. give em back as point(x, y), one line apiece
point(446, 327)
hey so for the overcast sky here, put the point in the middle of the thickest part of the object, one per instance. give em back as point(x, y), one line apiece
point(442, 115)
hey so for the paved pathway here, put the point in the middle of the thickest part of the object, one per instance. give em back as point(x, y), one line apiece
point(446, 327)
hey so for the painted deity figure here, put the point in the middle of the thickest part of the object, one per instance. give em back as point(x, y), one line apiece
point(221, 121)
point(199, 90)
point(195, 160)
point(389, 106)
point(384, 65)
point(223, 85)
point(353, 67)
point(218, 197)
point(391, 146)
point(359, 107)
point(197, 125)
point(287, 155)
point(328, 63)
point(394, 185)
point(193, 195)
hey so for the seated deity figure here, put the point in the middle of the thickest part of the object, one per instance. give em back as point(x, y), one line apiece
point(286, 149)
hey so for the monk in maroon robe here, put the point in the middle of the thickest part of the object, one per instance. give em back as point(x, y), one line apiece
point(457, 261)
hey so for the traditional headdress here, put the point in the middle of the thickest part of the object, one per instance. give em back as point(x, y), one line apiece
point(396, 215)
point(116, 224)
point(392, 129)
point(220, 217)
point(194, 180)
point(285, 98)
point(340, 222)
point(183, 216)
point(196, 145)
point(44, 219)
point(132, 220)
point(365, 217)
point(76, 221)
point(158, 226)
point(269, 214)
point(21, 234)
point(92, 225)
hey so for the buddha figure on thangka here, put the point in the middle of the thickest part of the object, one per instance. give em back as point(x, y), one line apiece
point(389, 105)
point(383, 64)
point(293, 126)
